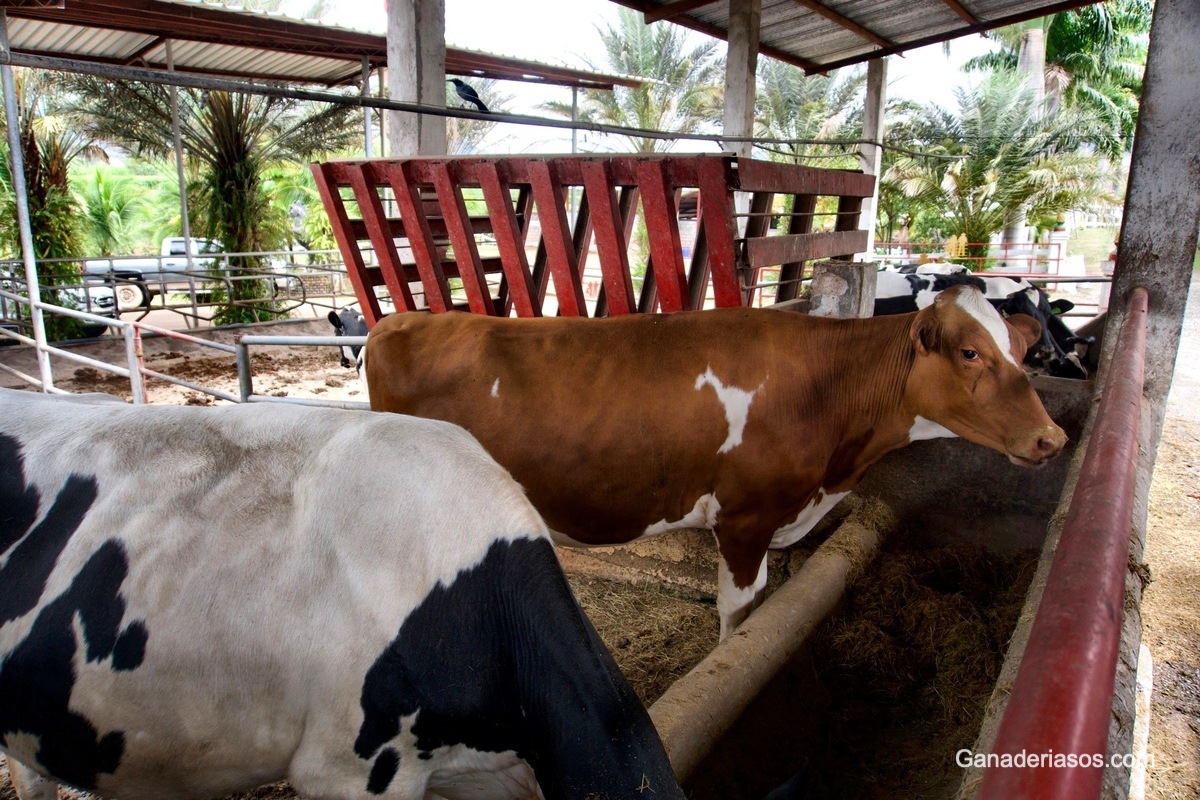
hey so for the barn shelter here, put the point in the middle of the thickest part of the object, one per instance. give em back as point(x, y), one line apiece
point(1077, 638)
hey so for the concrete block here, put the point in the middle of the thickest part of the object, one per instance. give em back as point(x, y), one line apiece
point(844, 288)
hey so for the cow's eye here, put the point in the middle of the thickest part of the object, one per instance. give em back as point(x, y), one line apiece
point(970, 355)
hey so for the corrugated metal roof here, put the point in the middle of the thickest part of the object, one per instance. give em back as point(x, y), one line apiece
point(819, 35)
point(211, 39)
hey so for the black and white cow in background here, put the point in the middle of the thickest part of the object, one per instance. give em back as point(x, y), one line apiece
point(349, 322)
point(1058, 351)
point(191, 607)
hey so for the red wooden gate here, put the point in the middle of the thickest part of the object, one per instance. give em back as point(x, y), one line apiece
point(426, 233)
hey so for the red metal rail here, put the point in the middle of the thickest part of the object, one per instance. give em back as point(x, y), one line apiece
point(1062, 700)
point(434, 237)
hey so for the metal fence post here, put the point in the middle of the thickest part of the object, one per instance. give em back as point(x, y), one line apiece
point(17, 170)
point(135, 360)
point(245, 379)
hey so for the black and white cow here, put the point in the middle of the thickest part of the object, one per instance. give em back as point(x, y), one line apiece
point(191, 607)
point(349, 322)
point(1058, 351)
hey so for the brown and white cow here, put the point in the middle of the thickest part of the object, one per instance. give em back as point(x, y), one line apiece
point(750, 422)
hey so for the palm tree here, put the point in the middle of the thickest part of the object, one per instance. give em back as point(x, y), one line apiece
point(1093, 60)
point(49, 144)
point(682, 91)
point(792, 105)
point(1009, 158)
point(111, 208)
point(233, 139)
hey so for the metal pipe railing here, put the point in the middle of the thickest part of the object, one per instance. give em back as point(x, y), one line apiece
point(1061, 702)
point(246, 380)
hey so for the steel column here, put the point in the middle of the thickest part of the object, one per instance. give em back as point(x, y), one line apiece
point(177, 140)
point(16, 157)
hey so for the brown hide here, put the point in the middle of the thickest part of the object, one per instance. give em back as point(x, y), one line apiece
point(611, 426)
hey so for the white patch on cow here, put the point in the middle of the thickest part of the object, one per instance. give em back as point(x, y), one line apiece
point(923, 429)
point(361, 364)
point(891, 283)
point(925, 298)
point(999, 288)
point(702, 515)
point(975, 304)
point(496, 388)
point(734, 603)
point(736, 403)
point(806, 520)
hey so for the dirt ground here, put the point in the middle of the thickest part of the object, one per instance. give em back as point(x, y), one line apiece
point(1171, 607)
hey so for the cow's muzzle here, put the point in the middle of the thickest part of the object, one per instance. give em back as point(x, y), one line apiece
point(1039, 448)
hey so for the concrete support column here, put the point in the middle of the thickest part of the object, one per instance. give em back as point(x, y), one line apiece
point(740, 79)
point(417, 73)
point(871, 156)
point(1162, 204)
point(740, 68)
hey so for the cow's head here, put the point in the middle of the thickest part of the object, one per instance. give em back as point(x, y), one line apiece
point(1056, 348)
point(349, 322)
point(967, 377)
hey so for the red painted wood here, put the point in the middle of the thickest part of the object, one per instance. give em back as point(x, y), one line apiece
point(758, 225)
point(720, 231)
point(561, 258)
point(800, 222)
point(425, 250)
point(662, 225)
point(611, 243)
point(462, 237)
point(375, 219)
point(772, 176)
point(508, 240)
point(1061, 701)
point(355, 268)
point(768, 251)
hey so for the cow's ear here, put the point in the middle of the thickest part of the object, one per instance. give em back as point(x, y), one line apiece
point(1029, 328)
point(1061, 306)
point(926, 332)
point(335, 320)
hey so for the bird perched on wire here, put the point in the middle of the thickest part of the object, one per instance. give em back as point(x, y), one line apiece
point(468, 93)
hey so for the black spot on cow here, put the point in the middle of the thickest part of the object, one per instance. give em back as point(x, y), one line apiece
point(383, 770)
point(36, 552)
point(18, 502)
point(503, 659)
point(38, 675)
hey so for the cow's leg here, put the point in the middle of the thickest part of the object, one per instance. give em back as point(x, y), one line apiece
point(741, 581)
point(28, 784)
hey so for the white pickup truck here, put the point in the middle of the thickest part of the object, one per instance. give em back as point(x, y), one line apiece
point(136, 279)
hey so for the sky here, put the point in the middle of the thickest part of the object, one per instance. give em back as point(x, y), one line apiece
point(565, 32)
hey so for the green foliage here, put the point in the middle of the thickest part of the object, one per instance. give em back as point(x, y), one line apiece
point(1095, 57)
point(1009, 158)
point(232, 140)
point(682, 92)
point(112, 206)
point(48, 145)
point(792, 105)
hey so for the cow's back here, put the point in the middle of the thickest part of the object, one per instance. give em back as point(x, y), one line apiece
point(188, 595)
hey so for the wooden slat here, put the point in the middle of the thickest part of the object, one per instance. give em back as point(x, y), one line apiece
point(662, 224)
point(845, 22)
point(375, 220)
point(561, 258)
point(674, 9)
point(610, 241)
point(437, 226)
point(720, 230)
point(757, 226)
point(508, 240)
point(773, 250)
point(408, 201)
point(771, 176)
point(356, 269)
point(462, 237)
point(800, 222)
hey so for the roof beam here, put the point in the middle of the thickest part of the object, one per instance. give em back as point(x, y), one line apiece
point(720, 33)
point(961, 10)
point(142, 52)
point(999, 22)
point(668, 10)
point(845, 22)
